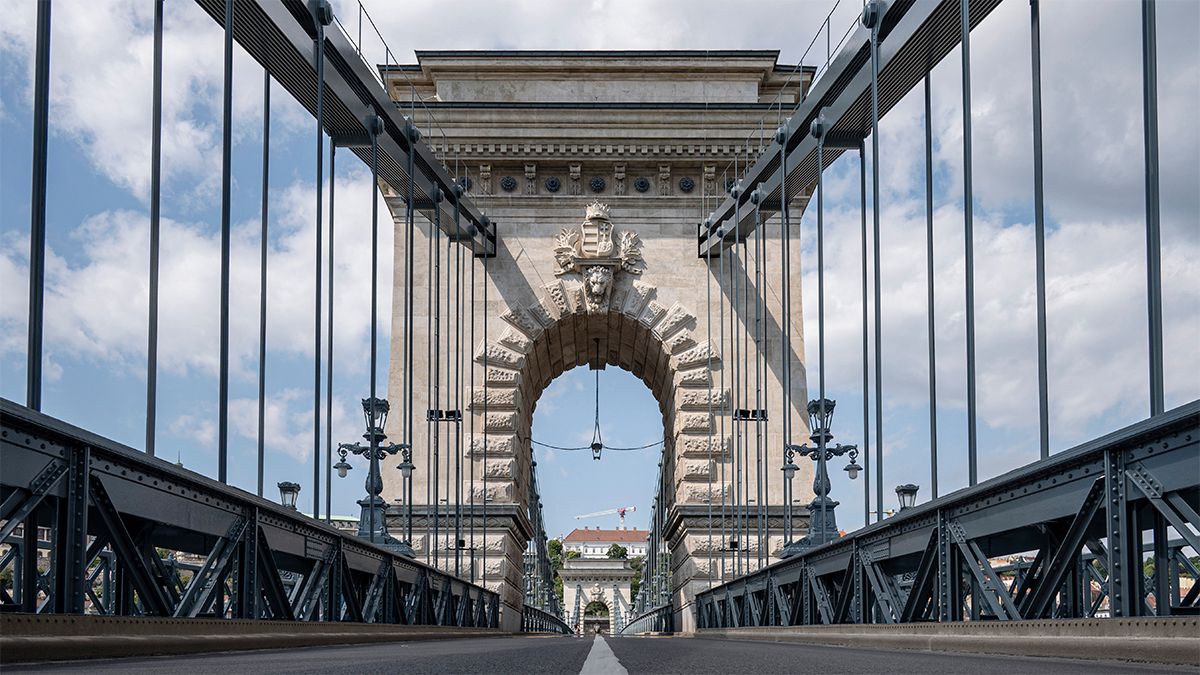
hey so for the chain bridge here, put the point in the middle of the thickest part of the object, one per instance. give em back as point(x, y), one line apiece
point(628, 209)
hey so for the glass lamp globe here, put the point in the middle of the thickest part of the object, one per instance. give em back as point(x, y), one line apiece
point(852, 469)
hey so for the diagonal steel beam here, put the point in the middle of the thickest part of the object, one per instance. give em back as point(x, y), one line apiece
point(824, 606)
point(23, 501)
point(920, 596)
point(374, 597)
point(272, 581)
point(1050, 582)
point(206, 580)
point(993, 590)
point(1141, 478)
point(150, 593)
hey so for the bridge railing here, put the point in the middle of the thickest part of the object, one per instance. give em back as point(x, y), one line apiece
point(534, 620)
point(660, 619)
point(1060, 538)
point(90, 526)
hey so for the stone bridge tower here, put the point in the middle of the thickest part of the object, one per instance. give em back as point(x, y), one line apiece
point(597, 168)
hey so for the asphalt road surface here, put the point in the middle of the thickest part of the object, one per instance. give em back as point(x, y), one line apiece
point(589, 656)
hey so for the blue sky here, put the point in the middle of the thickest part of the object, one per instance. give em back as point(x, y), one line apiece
point(98, 211)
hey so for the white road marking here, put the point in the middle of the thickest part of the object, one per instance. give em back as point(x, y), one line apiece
point(602, 661)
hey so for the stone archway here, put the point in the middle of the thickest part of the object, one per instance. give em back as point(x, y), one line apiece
point(559, 331)
point(642, 321)
point(534, 138)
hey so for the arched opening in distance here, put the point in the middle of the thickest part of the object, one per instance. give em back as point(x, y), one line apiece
point(596, 618)
point(582, 496)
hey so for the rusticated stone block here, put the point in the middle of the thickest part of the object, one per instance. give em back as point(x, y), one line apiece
point(697, 356)
point(557, 297)
point(516, 341)
point(503, 377)
point(498, 445)
point(499, 468)
point(698, 493)
point(520, 319)
point(693, 469)
point(639, 295)
point(677, 317)
point(653, 313)
point(541, 313)
point(496, 493)
point(501, 421)
point(699, 446)
point(497, 399)
point(700, 399)
point(690, 422)
point(695, 378)
point(679, 342)
point(575, 298)
point(495, 355)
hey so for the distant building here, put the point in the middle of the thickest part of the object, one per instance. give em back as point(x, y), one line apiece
point(594, 543)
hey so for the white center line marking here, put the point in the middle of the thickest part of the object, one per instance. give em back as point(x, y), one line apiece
point(602, 661)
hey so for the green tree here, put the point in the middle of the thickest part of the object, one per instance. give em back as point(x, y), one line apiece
point(617, 551)
point(557, 557)
point(638, 563)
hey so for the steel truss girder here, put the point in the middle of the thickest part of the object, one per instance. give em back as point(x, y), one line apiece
point(110, 510)
point(1085, 512)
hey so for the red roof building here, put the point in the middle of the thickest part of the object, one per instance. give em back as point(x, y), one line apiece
point(594, 543)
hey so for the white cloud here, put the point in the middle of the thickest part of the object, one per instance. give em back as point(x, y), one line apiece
point(96, 304)
point(100, 88)
point(1095, 242)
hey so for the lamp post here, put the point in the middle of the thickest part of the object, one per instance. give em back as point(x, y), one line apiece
point(288, 492)
point(822, 523)
point(907, 495)
point(372, 524)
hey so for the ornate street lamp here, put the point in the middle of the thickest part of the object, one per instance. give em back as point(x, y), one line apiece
point(822, 523)
point(372, 523)
point(907, 495)
point(288, 491)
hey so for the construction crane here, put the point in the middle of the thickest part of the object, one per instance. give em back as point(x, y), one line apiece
point(608, 512)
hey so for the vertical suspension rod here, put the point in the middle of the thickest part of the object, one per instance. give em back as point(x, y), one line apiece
point(866, 340)
point(725, 408)
point(471, 428)
point(708, 327)
point(1153, 212)
point(226, 165)
point(262, 280)
point(155, 216)
point(323, 15)
point(412, 135)
point(758, 403)
point(329, 342)
point(738, 493)
point(871, 17)
point(486, 311)
point(435, 361)
point(818, 130)
point(969, 248)
point(785, 351)
point(1039, 219)
point(37, 208)
point(931, 326)
point(458, 314)
point(375, 128)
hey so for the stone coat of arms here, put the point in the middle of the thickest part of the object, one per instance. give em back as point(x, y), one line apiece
point(594, 252)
